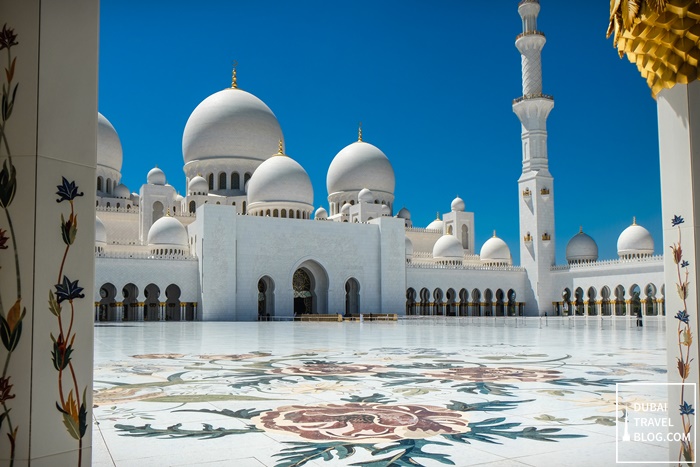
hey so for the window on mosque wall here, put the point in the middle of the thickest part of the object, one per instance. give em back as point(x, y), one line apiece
point(246, 177)
point(222, 181)
point(235, 181)
point(211, 181)
point(99, 183)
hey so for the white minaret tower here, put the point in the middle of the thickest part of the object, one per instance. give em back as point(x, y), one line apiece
point(536, 184)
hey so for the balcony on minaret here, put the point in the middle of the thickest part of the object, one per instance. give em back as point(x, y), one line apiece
point(527, 193)
point(527, 238)
point(529, 33)
point(533, 96)
point(546, 237)
point(544, 192)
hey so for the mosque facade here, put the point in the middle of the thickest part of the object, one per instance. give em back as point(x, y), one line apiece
point(163, 256)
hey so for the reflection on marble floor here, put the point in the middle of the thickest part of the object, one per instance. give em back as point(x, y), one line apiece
point(414, 392)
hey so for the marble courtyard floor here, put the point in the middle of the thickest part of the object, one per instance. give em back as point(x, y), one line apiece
point(431, 392)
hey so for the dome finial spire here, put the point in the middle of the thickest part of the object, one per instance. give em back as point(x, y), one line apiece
point(437, 215)
point(234, 79)
point(494, 233)
point(580, 229)
point(359, 132)
point(168, 213)
point(634, 220)
point(280, 151)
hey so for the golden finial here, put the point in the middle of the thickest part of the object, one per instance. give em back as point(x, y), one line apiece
point(168, 213)
point(234, 80)
point(437, 216)
point(580, 229)
point(494, 233)
point(634, 220)
point(359, 132)
point(280, 152)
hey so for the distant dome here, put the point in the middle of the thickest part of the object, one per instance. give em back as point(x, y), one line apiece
point(404, 214)
point(437, 224)
point(495, 250)
point(581, 248)
point(167, 231)
point(386, 210)
point(448, 248)
point(457, 204)
point(155, 177)
point(321, 214)
point(360, 165)
point(121, 191)
point(409, 247)
point(100, 231)
point(365, 196)
point(109, 148)
point(635, 240)
point(198, 186)
point(231, 123)
point(280, 179)
point(345, 209)
point(179, 197)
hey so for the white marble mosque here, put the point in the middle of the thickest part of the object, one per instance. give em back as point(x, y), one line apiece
point(198, 256)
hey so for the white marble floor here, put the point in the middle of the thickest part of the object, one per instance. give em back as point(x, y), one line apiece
point(454, 391)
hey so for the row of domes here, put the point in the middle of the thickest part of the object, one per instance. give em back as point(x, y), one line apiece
point(634, 241)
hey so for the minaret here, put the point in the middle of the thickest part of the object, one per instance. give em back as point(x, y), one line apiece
point(536, 190)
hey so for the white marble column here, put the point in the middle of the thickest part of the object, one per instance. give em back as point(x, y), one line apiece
point(48, 53)
point(679, 146)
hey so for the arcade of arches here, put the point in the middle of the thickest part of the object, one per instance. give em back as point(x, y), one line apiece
point(157, 305)
point(617, 301)
point(463, 303)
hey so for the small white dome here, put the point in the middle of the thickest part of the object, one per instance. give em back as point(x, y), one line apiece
point(365, 196)
point(448, 248)
point(409, 247)
point(179, 197)
point(280, 179)
point(437, 224)
point(635, 240)
point(457, 204)
point(360, 165)
point(121, 191)
point(231, 123)
point(109, 148)
point(404, 214)
point(321, 214)
point(167, 231)
point(100, 231)
point(198, 186)
point(495, 250)
point(581, 247)
point(386, 210)
point(155, 177)
point(345, 209)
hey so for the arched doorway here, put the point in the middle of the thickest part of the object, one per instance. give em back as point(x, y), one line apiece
point(605, 305)
point(578, 301)
point(157, 210)
point(592, 305)
point(476, 302)
point(438, 305)
point(635, 301)
point(172, 303)
point(266, 298)
point(108, 304)
point(450, 306)
point(131, 303)
point(650, 300)
point(411, 301)
point(463, 302)
point(151, 310)
point(620, 306)
point(310, 284)
point(500, 308)
point(511, 303)
point(352, 296)
point(488, 303)
point(424, 301)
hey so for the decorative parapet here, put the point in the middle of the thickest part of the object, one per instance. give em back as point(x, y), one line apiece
point(418, 229)
point(661, 37)
point(529, 33)
point(134, 209)
point(143, 255)
point(538, 95)
point(609, 262)
point(470, 267)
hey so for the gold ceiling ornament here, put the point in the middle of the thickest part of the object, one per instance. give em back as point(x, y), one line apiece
point(662, 37)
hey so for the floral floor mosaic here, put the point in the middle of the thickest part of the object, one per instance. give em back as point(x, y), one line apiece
point(414, 392)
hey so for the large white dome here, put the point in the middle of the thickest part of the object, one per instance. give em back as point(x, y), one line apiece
point(581, 247)
point(167, 231)
point(231, 123)
point(495, 250)
point(448, 247)
point(635, 240)
point(109, 148)
point(280, 179)
point(360, 165)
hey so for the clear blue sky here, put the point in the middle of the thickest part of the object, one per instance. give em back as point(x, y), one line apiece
point(432, 83)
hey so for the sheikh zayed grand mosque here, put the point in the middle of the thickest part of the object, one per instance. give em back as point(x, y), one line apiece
point(161, 256)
